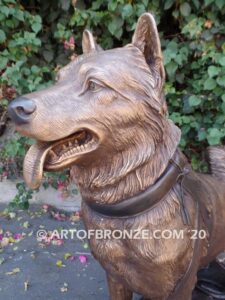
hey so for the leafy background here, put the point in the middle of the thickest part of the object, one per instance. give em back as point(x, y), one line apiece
point(38, 37)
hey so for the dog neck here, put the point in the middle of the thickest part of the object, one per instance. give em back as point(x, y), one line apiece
point(109, 182)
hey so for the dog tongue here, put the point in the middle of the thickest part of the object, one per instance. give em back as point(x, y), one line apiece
point(34, 163)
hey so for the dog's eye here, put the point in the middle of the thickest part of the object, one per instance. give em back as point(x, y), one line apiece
point(93, 86)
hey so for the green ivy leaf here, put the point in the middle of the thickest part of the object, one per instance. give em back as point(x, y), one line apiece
point(196, 3)
point(207, 2)
point(171, 68)
point(3, 62)
point(168, 4)
point(214, 136)
point(141, 9)
point(209, 84)
point(36, 27)
point(213, 71)
point(221, 81)
point(201, 135)
point(185, 9)
point(5, 10)
point(220, 3)
point(112, 5)
point(65, 4)
point(2, 36)
point(119, 33)
point(222, 61)
point(127, 11)
point(19, 15)
point(48, 55)
point(194, 100)
point(115, 27)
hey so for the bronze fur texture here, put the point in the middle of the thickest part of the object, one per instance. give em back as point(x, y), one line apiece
point(106, 118)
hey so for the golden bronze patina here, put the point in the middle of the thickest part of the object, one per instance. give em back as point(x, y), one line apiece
point(106, 118)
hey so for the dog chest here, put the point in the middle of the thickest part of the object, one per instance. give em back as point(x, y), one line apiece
point(150, 259)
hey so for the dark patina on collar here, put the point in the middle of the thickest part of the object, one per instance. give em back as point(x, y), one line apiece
point(148, 198)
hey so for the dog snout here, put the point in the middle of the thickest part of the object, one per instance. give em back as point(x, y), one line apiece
point(21, 110)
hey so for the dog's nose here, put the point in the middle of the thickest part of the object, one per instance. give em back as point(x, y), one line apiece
point(21, 109)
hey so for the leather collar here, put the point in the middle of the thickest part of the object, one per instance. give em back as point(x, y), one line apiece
point(147, 199)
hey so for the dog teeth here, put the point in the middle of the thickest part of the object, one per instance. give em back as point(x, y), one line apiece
point(53, 154)
point(69, 149)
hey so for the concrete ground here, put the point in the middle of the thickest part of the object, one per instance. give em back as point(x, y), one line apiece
point(48, 269)
point(48, 196)
point(34, 270)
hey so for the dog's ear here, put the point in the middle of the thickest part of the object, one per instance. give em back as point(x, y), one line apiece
point(88, 42)
point(146, 38)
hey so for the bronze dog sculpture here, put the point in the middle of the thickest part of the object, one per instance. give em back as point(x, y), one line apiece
point(106, 117)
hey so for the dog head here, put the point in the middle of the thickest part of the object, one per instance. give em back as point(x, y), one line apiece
point(103, 103)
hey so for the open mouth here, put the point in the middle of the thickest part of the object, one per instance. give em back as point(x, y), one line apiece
point(64, 151)
point(54, 156)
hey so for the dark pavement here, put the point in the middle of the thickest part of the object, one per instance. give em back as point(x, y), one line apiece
point(31, 269)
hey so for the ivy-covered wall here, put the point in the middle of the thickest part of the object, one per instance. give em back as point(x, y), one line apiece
point(38, 37)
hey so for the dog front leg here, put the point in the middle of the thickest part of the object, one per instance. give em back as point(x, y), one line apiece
point(118, 291)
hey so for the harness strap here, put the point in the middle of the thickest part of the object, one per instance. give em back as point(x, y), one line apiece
point(192, 185)
point(190, 275)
